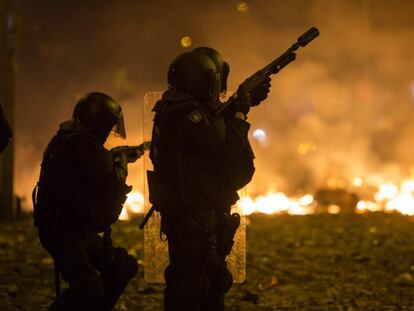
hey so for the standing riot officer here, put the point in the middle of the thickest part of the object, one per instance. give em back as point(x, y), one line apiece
point(200, 161)
point(80, 193)
point(5, 131)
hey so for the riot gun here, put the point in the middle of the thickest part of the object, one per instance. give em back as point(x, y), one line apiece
point(274, 67)
point(132, 153)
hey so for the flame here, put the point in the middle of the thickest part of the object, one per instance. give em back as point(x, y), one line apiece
point(134, 205)
point(389, 197)
point(276, 203)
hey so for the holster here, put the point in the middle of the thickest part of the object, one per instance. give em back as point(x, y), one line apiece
point(226, 230)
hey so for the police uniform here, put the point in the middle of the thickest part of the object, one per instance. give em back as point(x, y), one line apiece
point(80, 193)
point(200, 161)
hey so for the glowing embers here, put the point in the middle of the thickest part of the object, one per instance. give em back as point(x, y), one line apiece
point(186, 41)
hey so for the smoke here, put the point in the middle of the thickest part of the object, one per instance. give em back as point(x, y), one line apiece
point(343, 109)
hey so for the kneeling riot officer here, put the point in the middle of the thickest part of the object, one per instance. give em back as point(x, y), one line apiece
point(80, 193)
point(200, 161)
point(5, 131)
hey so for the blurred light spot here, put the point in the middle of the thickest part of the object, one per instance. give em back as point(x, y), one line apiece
point(412, 90)
point(305, 148)
point(242, 6)
point(259, 135)
point(306, 200)
point(367, 206)
point(357, 182)
point(186, 41)
point(373, 229)
point(333, 209)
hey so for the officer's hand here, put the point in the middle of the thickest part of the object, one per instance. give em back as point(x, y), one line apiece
point(261, 91)
point(256, 88)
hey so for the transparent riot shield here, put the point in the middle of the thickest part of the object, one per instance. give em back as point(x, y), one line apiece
point(155, 244)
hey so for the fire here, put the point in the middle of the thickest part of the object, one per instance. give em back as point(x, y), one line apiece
point(391, 198)
point(134, 205)
point(388, 197)
point(276, 203)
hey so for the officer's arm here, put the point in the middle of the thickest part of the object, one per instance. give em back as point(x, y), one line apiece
point(105, 183)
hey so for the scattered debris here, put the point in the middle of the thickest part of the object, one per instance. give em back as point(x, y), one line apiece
point(314, 262)
point(268, 283)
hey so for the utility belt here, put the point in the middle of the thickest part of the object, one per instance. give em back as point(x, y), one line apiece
point(173, 201)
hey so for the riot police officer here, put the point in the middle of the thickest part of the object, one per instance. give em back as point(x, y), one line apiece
point(80, 193)
point(200, 161)
point(5, 131)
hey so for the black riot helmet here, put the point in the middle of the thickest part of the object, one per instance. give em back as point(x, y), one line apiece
point(195, 74)
point(100, 114)
point(222, 66)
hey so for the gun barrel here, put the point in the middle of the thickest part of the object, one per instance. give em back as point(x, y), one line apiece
point(278, 64)
point(289, 56)
point(308, 36)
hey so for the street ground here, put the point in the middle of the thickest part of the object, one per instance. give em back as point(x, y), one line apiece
point(315, 262)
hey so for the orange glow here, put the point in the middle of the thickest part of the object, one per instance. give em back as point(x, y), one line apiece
point(389, 197)
point(134, 205)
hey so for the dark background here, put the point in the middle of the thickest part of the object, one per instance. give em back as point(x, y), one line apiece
point(349, 95)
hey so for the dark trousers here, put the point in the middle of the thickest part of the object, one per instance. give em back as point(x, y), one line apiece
point(97, 275)
point(197, 277)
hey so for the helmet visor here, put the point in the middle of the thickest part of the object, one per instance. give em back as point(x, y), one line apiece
point(119, 127)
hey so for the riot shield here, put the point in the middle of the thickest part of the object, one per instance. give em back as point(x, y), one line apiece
point(155, 244)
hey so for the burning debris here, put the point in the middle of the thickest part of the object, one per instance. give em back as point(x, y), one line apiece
point(334, 201)
point(387, 197)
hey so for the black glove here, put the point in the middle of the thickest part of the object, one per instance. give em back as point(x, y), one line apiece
point(261, 92)
point(257, 89)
